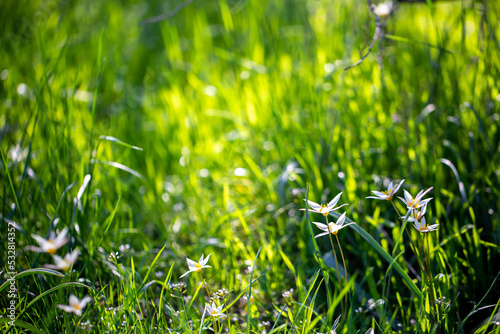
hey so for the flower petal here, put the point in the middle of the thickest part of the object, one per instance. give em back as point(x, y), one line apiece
point(85, 301)
point(185, 274)
point(205, 260)
point(313, 205)
point(334, 201)
point(73, 300)
point(341, 220)
point(41, 241)
point(321, 226)
point(320, 235)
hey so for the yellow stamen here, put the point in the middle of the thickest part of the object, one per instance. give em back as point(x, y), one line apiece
point(198, 267)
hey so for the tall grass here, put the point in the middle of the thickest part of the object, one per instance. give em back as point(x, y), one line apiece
point(201, 133)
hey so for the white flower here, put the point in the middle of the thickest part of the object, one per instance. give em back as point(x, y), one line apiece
point(387, 194)
point(52, 244)
point(197, 266)
point(422, 226)
point(332, 228)
point(417, 202)
point(383, 9)
point(417, 215)
point(75, 305)
point(214, 311)
point(325, 209)
point(69, 259)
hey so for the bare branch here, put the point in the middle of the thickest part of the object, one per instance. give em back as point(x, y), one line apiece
point(166, 15)
point(378, 29)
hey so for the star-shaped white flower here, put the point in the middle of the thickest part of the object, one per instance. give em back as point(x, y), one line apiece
point(196, 266)
point(332, 227)
point(215, 311)
point(325, 209)
point(75, 305)
point(52, 244)
point(422, 226)
point(417, 202)
point(66, 263)
point(387, 194)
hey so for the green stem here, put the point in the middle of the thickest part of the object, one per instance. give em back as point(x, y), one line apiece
point(345, 268)
point(413, 248)
point(336, 265)
point(214, 321)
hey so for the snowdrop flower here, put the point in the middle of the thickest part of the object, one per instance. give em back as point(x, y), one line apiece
point(422, 226)
point(197, 266)
point(387, 194)
point(214, 311)
point(52, 244)
point(69, 259)
point(75, 305)
point(332, 228)
point(325, 209)
point(383, 9)
point(417, 202)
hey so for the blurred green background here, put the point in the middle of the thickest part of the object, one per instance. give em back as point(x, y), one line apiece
point(237, 106)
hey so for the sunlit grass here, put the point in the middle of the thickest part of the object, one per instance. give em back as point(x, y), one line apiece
point(200, 134)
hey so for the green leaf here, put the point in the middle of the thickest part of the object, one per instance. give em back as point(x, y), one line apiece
point(34, 271)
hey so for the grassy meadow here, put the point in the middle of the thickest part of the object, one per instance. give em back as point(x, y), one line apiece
point(149, 141)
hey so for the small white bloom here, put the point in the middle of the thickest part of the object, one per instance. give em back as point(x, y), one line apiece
point(215, 311)
point(325, 209)
point(69, 259)
point(387, 194)
point(197, 266)
point(422, 226)
point(52, 244)
point(383, 9)
point(332, 227)
point(75, 305)
point(417, 202)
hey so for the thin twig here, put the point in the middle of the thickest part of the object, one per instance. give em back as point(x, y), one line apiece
point(378, 30)
point(166, 15)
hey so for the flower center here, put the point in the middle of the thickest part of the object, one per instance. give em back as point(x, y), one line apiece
point(413, 203)
point(64, 265)
point(324, 210)
point(50, 247)
point(423, 228)
point(198, 267)
point(76, 306)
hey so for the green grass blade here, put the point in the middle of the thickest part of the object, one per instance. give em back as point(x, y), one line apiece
point(34, 271)
point(387, 257)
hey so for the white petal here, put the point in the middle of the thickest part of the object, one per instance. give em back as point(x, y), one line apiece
point(321, 234)
point(185, 274)
point(85, 301)
point(389, 188)
point(338, 207)
point(66, 308)
point(399, 185)
point(313, 205)
point(41, 241)
point(61, 238)
point(341, 220)
point(334, 201)
point(206, 260)
point(73, 300)
point(321, 226)
point(380, 194)
point(408, 197)
point(71, 258)
point(403, 200)
point(190, 262)
point(423, 209)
